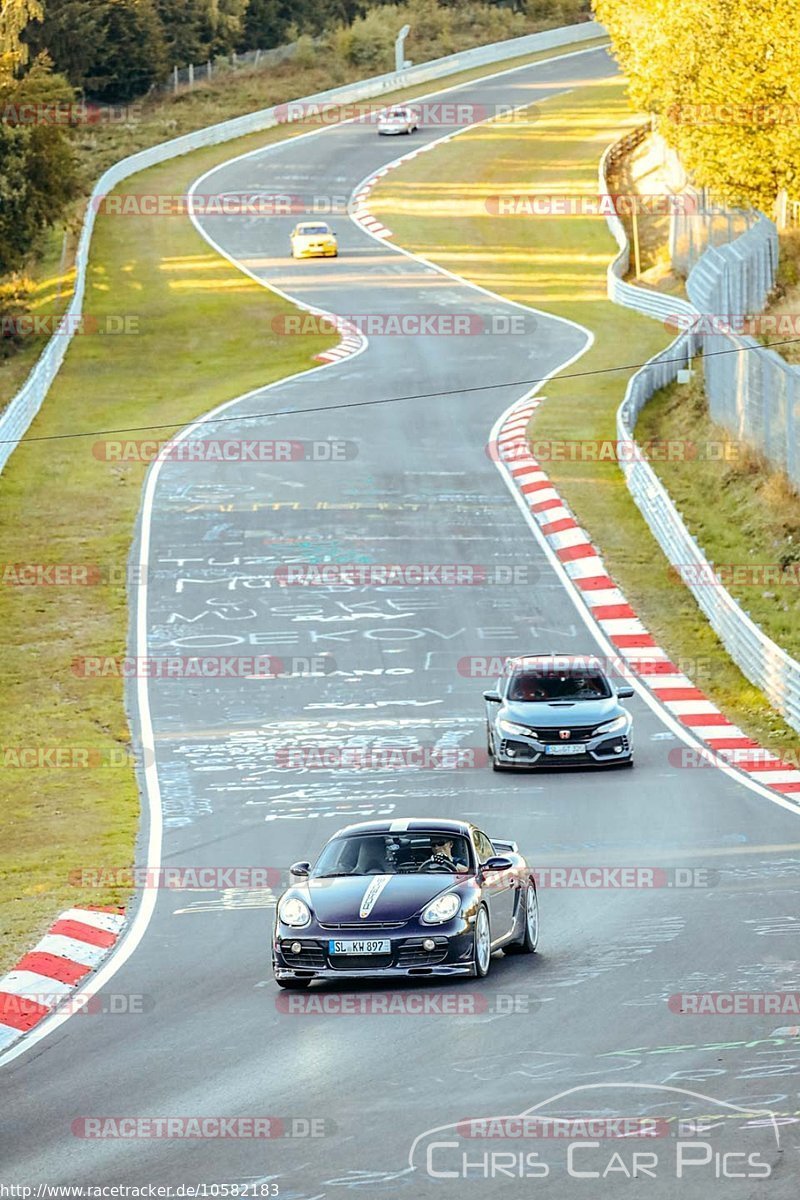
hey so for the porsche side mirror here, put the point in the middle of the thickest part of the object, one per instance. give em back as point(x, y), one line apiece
point(625, 693)
point(497, 863)
point(494, 696)
point(300, 869)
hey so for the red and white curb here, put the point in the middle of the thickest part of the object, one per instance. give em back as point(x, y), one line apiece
point(353, 341)
point(721, 740)
point(359, 210)
point(73, 948)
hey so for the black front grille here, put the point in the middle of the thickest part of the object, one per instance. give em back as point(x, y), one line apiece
point(363, 925)
point(577, 733)
point(311, 954)
point(362, 962)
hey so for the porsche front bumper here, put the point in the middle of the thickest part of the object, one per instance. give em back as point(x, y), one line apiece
point(407, 959)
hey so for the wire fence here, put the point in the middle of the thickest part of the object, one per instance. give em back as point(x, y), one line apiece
point(703, 223)
point(754, 394)
point(738, 274)
point(186, 78)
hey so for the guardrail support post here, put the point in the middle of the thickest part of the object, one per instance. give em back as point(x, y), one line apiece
point(399, 48)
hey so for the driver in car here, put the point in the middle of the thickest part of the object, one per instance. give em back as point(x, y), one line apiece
point(442, 857)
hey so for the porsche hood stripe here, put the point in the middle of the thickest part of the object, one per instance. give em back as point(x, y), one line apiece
point(370, 897)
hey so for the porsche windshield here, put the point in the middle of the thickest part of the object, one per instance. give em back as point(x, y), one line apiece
point(312, 230)
point(392, 854)
point(546, 685)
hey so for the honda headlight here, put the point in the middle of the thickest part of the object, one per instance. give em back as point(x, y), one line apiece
point(512, 727)
point(295, 912)
point(613, 726)
point(444, 908)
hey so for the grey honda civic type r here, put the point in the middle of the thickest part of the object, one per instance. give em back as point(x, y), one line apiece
point(556, 710)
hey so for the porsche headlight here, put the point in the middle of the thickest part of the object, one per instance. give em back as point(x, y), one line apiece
point(512, 727)
point(443, 908)
point(612, 726)
point(294, 912)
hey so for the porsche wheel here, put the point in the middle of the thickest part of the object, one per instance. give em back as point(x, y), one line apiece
point(482, 951)
point(530, 925)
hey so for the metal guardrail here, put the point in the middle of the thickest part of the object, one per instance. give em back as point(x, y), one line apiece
point(759, 658)
point(704, 222)
point(24, 406)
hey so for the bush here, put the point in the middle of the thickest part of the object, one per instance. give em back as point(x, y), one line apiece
point(15, 293)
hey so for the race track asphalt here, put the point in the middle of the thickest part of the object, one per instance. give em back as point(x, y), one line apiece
point(417, 486)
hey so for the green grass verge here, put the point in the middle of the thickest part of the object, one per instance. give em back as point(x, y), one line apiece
point(205, 335)
point(742, 513)
point(559, 264)
point(51, 278)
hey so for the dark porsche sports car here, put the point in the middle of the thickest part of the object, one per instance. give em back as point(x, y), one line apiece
point(402, 899)
point(557, 710)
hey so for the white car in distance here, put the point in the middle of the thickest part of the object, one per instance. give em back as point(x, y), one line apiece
point(398, 120)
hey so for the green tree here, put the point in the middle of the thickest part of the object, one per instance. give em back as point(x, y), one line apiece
point(72, 33)
point(38, 175)
point(224, 22)
point(134, 51)
point(186, 25)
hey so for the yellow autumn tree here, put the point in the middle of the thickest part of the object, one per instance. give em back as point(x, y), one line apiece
point(723, 78)
point(14, 16)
